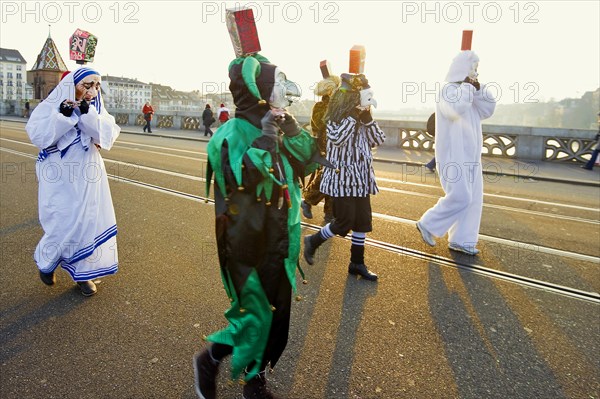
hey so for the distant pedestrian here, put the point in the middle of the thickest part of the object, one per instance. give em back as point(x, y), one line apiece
point(26, 109)
point(207, 120)
point(75, 211)
point(148, 112)
point(594, 158)
point(222, 114)
point(459, 141)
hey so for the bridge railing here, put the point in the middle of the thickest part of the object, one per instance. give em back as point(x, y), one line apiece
point(520, 142)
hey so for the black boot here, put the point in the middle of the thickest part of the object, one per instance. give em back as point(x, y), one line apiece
point(48, 278)
point(205, 375)
point(360, 269)
point(357, 263)
point(88, 288)
point(311, 243)
point(256, 388)
point(306, 209)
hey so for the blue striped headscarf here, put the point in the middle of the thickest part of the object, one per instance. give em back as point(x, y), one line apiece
point(78, 76)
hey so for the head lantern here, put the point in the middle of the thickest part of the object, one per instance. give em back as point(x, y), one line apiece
point(82, 46)
point(358, 54)
point(329, 83)
point(256, 84)
point(465, 63)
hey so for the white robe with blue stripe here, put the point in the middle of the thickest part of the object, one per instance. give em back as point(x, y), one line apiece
point(75, 204)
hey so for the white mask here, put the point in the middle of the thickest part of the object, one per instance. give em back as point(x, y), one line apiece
point(473, 72)
point(284, 91)
point(366, 98)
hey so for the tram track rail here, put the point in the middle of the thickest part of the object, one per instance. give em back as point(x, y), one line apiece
point(382, 216)
point(521, 280)
point(383, 189)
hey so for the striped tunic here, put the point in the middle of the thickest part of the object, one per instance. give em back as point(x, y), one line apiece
point(349, 150)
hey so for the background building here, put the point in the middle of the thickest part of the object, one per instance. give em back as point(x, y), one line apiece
point(47, 70)
point(165, 98)
point(13, 75)
point(124, 93)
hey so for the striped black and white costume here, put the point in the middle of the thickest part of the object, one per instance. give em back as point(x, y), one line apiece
point(349, 150)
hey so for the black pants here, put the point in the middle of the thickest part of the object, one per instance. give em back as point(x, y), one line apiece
point(148, 126)
point(590, 163)
point(207, 130)
point(351, 213)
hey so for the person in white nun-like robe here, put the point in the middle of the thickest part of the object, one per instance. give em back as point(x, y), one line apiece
point(75, 205)
point(462, 105)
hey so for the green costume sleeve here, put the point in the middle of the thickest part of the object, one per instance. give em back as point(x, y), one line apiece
point(301, 146)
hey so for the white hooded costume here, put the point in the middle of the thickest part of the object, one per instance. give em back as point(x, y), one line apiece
point(459, 142)
point(75, 205)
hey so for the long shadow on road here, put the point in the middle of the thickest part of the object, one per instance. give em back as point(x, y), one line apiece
point(26, 316)
point(485, 344)
point(356, 293)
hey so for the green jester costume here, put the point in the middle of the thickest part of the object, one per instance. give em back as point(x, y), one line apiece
point(257, 159)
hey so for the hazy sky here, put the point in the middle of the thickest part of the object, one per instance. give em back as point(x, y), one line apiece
point(530, 50)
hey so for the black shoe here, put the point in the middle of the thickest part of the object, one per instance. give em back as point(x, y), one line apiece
point(309, 251)
point(48, 278)
point(360, 269)
point(205, 375)
point(256, 388)
point(88, 288)
point(306, 211)
point(585, 167)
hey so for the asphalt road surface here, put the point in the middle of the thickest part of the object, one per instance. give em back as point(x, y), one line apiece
point(522, 320)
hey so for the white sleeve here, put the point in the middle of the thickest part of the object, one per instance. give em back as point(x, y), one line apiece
point(101, 128)
point(484, 102)
point(456, 99)
point(46, 125)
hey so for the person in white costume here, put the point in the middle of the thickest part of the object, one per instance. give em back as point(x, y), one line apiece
point(462, 105)
point(75, 204)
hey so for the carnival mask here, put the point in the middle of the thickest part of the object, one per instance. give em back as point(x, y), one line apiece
point(473, 72)
point(285, 92)
point(366, 98)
